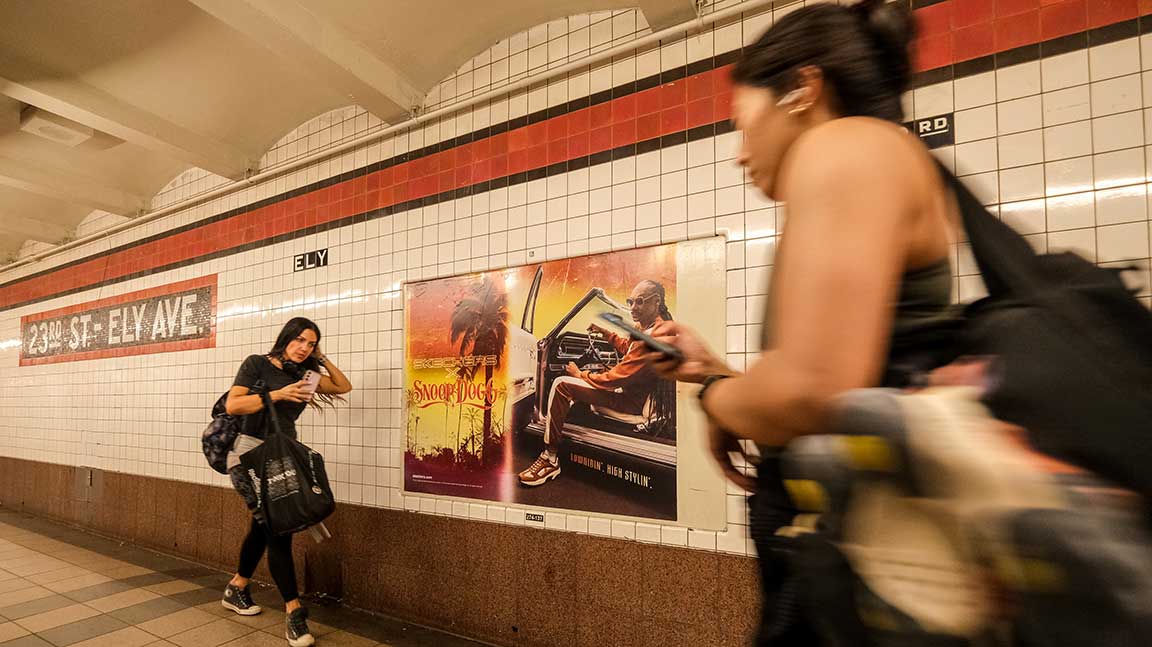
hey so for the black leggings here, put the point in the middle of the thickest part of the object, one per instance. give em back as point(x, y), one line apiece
point(279, 559)
point(783, 622)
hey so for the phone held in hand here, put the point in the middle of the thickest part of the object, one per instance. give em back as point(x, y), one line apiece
point(313, 381)
point(624, 328)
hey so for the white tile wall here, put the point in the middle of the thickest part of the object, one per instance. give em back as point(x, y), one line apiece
point(324, 131)
point(98, 221)
point(1063, 152)
point(189, 184)
point(1061, 157)
point(547, 46)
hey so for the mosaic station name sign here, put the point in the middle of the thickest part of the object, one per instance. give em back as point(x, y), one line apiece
point(174, 317)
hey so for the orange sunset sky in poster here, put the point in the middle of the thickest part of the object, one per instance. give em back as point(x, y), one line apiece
point(430, 303)
point(429, 306)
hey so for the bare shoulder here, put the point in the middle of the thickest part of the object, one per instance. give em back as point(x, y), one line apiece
point(855, 139)
point(856, 152)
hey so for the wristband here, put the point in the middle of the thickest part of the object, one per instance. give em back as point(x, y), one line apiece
point(708, 382)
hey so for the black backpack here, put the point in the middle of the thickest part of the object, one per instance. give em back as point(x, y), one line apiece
point(1072, 349)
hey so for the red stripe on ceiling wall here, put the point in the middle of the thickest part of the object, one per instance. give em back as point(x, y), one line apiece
point(160, 290)
point(960, 30)
point(696, 100)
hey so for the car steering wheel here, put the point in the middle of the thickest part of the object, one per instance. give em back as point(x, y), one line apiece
point(590, 355)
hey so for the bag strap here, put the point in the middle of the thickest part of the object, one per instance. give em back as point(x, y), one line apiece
point(221, 406)
point(1007, 262)
point(270, 411)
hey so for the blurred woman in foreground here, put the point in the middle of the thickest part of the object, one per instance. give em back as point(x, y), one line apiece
point(862, 284)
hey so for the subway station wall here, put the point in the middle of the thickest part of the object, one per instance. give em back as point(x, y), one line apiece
point(1048, 111)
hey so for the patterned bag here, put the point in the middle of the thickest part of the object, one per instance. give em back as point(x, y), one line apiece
point(217, 438)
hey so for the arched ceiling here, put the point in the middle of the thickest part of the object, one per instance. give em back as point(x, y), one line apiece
point(102, 103)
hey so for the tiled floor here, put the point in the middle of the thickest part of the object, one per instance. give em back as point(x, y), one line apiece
point(60, 586)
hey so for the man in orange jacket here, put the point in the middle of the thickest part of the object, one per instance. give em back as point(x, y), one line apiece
point(625, 387)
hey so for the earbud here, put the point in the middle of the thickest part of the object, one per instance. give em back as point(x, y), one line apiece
point(791, 98)
point(795, 100)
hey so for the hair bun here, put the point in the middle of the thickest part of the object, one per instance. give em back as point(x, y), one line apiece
point(893, 28)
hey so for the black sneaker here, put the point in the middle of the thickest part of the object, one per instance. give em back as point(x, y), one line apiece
point(238, 600)
point(296, 629)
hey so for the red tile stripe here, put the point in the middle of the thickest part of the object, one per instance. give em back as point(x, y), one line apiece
point(697, 100)
point(145, 349)
point(161, 290)
point(960, 30)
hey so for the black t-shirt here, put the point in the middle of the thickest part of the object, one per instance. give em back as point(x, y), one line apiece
point(255, 369)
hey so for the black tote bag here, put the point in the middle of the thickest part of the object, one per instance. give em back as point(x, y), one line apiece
point(291, 484)
point(1072, 348)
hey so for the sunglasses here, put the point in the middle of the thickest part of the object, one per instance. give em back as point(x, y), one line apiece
point(638, 301)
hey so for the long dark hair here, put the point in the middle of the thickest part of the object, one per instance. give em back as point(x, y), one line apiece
point(291, 330)
point(862, 51)
point(657, 288)
point(663, 419)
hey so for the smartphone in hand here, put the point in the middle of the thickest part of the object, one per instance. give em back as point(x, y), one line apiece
point(624, 328)
point(313, 382)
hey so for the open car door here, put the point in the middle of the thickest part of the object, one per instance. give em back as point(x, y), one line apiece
point(630, 437)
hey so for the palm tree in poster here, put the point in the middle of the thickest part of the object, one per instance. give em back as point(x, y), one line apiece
point(473, 417)
point(465, 373)
point(412, 431)
point(480, 326)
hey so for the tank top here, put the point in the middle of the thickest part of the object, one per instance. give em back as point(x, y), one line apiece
point(923, 327)
point(923, 333)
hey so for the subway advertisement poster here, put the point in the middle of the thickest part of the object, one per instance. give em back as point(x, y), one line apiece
point(518, 391)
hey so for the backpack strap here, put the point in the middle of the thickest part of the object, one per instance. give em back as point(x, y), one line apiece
point(1007, 262)
point(221, 406)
